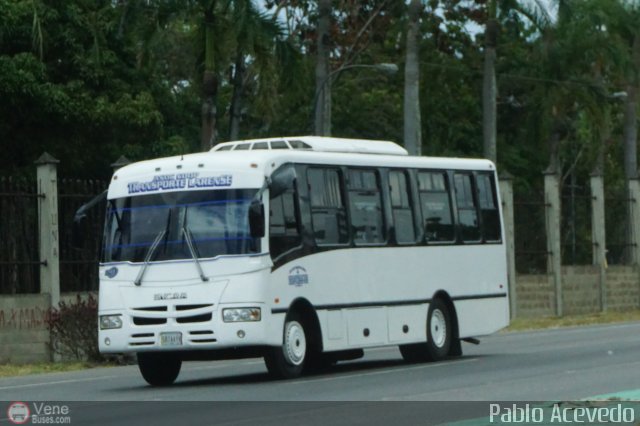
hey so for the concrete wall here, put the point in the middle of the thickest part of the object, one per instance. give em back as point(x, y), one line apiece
point(535, 296)
point(580, 291)
point(23, 329)
point(24, 336)
point(623, 287)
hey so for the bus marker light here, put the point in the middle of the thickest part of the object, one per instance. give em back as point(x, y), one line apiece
point(241, 334)
point(107, 341)
point(277, 300)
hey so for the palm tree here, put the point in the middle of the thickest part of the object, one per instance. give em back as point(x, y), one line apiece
point(412, 122)
point(489, 89)
point(323, 83)
point(256, 38)
point(209, 78)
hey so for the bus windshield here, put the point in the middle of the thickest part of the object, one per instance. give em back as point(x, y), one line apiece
point(161, 226)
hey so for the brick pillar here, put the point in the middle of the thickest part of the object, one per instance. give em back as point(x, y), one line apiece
point(634, 219)
point(47, 176)
point(552, 220)
point(598, 234)
point(506, 196)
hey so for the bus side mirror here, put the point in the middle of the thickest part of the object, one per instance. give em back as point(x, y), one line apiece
point(78, 230)
point(80, 220)
point(282, 181)
point(256, 219)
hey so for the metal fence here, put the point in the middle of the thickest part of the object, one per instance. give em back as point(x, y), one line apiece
point(19, 252)
point(618, 231)
point(530, 234)
point(576, 239)
point(19, 249)
point(79, 266)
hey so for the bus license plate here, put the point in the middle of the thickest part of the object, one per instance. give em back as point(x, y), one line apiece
point(171, 339)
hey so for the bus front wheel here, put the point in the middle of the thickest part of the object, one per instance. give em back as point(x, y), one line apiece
point(159, 369)
point(288, 361)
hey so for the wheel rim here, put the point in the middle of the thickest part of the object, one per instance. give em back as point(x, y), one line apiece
point(295, 343)
point(438, 328)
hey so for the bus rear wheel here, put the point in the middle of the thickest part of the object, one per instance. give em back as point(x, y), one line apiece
point(439, 335)
point(288, 361)
point(159, 369)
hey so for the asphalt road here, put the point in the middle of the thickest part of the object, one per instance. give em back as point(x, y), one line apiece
point(550, 365)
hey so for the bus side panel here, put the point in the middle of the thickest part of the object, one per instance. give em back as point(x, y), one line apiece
point(482, 317)
point(384, 289)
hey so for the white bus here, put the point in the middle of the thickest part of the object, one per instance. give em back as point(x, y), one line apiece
point(302, 250)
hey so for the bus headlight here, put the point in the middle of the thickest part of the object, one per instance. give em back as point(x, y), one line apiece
point(108, 322)
point(241, 314)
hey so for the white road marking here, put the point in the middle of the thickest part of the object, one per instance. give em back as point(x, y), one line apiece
point(376, 373)
point(31, 385)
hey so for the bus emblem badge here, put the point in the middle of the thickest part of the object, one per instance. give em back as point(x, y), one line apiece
point(298, 276)
point(111, 272)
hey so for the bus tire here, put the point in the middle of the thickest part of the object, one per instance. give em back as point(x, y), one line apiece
point(288, 360)
point(439, 332)
point(159, 369)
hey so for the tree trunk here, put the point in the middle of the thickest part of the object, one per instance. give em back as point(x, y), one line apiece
point(630, 119)
point(412, 122)
point(489, 89)
point(631, 132)
point(554, 147)
point(322, 107)
point(209, 85)
point(236, 100)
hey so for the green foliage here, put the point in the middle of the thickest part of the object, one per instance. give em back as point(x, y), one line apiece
point(90, 81)
point(74, 331)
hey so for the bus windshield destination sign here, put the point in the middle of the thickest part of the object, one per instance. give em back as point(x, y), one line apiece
point(179, 181)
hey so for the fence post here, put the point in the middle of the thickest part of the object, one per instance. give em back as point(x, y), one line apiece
point(506, 195)
point(598, 233)
point(552, 220)
point(48, 227)
point(634, 219)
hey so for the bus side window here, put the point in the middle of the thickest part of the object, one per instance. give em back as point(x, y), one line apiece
point(488, 207)
point(365, 207)
point(284, 232)
point(328, 215)
point(467, 211)
point(401, 207)
point(435, 203)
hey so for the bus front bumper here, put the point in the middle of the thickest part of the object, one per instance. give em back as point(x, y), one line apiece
point(175, 331)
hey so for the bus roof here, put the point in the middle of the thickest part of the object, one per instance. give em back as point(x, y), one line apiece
point(250, 166)
point(315, 143)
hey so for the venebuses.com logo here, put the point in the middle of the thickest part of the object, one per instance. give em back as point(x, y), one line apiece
point(18, 413)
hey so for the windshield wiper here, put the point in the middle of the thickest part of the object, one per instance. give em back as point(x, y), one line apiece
point(152, 250)
point(147, 258)
point(187, 237)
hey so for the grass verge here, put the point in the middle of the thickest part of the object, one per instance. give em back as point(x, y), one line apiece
point(520, 324)
point(9, 370)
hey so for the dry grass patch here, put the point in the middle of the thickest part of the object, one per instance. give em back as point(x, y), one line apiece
point(520, 324)
point(9, 370)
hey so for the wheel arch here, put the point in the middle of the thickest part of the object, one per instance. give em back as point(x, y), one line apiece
point(456, 347)
point(310, 320)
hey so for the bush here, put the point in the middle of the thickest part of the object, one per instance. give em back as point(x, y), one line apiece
point(74, 329)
